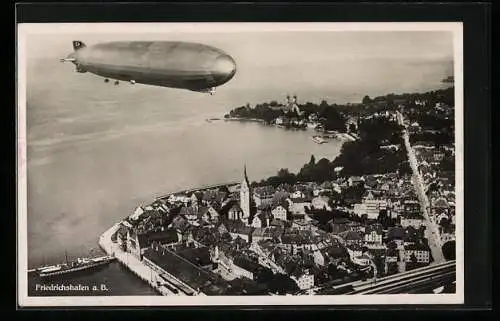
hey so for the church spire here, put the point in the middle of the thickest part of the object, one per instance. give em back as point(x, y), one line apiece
point(245, 173)
point(245, 196)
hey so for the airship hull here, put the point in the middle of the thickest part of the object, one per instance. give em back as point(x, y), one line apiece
point(169, 64)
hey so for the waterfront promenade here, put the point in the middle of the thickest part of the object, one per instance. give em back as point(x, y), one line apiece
point(432, 228)
point(132, 263)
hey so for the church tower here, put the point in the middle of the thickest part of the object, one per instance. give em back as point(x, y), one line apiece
point(245, 196)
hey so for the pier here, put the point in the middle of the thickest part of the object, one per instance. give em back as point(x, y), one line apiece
point(133, 263)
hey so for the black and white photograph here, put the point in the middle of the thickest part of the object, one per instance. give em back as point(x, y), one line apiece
point(178, 164)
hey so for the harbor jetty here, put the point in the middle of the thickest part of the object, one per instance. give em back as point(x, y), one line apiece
point(131, 262)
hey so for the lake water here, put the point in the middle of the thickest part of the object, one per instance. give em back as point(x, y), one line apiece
point(96, 151)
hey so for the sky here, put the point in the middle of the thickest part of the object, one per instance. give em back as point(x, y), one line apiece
point(350, 61)
point(281, 48)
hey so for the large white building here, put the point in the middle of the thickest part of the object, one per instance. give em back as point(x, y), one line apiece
point(415, 220)
point(321, 202)
point(263, 195)
point(279, 212)
point(370, 207)
point(304, 281)
point(373, 235)
point(422, 255)
point(298, 206)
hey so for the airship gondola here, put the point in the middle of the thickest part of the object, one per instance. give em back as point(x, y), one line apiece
point(172, 64)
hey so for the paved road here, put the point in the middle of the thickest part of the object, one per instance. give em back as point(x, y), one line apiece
point(432, 228)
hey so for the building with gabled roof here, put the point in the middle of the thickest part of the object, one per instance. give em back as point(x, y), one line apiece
point(356, 180)
point(373, 234)
point(395, 233)
point(239, 229)
point(303, 278)
point(137, 243)
point(246, 267)
point(199, 256)
point(413, 235)
point(193, 213)
point(298, 206)
point(262, 219)
point(320, 203)
point(412, 219)
point(352, 237)
point(339, 225)
point(419, 252)
point(263, 195)
point(441, 202)
point(280, 212)
point(235, 212)
point(193, 278)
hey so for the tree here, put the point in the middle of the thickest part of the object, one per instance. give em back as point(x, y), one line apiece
point(379, 262)
point(312, 161)
point(224, 189)
point(392, 268)
point(283, 284)
point(335, 273)
point(392, 245)
point(366, 100)
point(253, 207)
point(279, 197)
point(412, 262)
point(383, 218)
point(283, 177)
point(283, 172)
point(449, 250)
point(264, 275)
point(390, 102)
point(447, 164)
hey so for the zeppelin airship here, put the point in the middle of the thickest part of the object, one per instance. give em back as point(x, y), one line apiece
point(173, 64)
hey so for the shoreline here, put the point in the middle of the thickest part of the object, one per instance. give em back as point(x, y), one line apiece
point(132, 263)
point(243, 119)
point(343, 137)
point(154, 279)
point(135, 265)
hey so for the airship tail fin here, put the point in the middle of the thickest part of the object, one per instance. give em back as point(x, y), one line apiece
point(77, 44)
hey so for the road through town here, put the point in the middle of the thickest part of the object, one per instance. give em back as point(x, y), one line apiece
point(433, 234)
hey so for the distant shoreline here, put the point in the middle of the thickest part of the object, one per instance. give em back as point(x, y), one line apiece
point(243, 119)
point(342, 137)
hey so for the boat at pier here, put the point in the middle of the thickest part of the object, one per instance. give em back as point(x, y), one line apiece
point(318, 139)
point(80, 264)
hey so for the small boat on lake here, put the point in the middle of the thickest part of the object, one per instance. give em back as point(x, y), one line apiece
point(318, 139)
